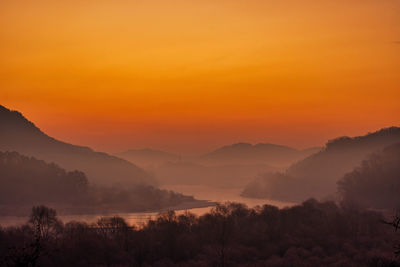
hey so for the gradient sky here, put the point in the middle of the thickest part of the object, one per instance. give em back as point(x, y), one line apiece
point(188, 76)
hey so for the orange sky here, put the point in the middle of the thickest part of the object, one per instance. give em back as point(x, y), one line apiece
point(193, 75)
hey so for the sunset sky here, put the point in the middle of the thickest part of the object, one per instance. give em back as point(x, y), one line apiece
point(189, 76)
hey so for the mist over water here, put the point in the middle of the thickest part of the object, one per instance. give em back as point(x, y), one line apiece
point(212, 194)
point(221, 195)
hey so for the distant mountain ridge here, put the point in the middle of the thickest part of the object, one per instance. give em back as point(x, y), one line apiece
point(381, 137)
point(147, 156)
point(261, 152)
point(228, 166)
point(19, 134)
point(316, 175)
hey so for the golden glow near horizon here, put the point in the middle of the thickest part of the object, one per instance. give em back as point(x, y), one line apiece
point(192, 75)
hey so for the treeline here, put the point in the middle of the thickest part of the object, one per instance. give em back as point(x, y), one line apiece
point(375, 140)
point(26, 180)
point(376, 183)
point(311, 234)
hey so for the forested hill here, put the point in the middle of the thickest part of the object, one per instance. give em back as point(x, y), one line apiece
point(26, 181)
point(317, 175)
point(376, 183)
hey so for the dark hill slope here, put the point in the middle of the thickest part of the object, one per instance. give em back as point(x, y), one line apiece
point(19, 134)
point(376, 183)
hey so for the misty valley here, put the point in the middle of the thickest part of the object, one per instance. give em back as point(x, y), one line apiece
point(263, 204)
point(176, 133)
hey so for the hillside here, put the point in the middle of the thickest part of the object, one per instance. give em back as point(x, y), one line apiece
point(26, 180)
point(375, 183)
point(19, 134)
point(316, 175)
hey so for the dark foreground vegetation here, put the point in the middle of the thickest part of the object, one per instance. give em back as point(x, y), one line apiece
point(26, 180)
point(311, 234)
point(376, 183)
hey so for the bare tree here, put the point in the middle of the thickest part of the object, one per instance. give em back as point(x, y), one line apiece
point(44, 221)
point(395, 223)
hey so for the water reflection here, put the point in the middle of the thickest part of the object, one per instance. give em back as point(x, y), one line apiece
point(199, 192)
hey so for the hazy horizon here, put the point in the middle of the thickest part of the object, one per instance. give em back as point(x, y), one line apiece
point(190, 148)
point(189, 77)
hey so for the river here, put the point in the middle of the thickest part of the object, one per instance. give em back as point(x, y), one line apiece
point(199, 192)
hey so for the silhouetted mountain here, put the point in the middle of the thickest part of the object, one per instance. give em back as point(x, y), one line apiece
point(376, 183)
point(146, 157)
point(19, 134)
point(260, 153)
point(316, 175)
